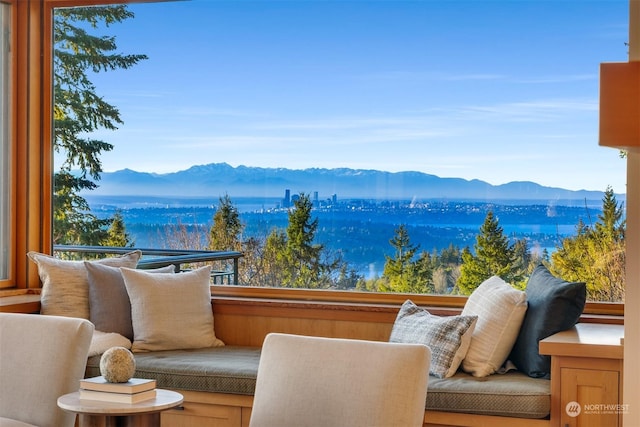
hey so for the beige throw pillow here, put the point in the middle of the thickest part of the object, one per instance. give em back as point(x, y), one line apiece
point(500, 309)
point(65, 286)
point(109, 305)
point(103, 341)
point(170, 311)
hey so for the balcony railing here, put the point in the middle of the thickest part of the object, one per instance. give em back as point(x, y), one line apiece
point(226, 262)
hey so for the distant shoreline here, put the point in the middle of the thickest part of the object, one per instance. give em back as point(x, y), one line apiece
point(360, 229)
point(248, 204)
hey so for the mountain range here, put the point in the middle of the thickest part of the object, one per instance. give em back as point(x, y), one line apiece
point(217, 179)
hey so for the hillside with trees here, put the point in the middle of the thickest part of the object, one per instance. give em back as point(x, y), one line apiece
point(289, 257)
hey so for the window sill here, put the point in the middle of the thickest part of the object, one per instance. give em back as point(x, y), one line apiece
point(334, 305)
point(19, 301)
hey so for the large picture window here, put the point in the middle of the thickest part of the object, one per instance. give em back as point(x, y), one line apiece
point(346, 145)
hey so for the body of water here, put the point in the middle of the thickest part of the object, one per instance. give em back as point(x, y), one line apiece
point(359, 230)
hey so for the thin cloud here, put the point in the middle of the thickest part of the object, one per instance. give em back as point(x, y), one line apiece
point(213, 112)
point(471, 77)
point(532, 111)
point(414, 127)
point(559, 79)
point(402, 75)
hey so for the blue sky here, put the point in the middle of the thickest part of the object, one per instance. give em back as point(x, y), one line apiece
point(503, 90)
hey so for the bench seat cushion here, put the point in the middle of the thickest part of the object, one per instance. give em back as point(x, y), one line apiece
point(228, 369)
point(233, 369)
point(513, 394)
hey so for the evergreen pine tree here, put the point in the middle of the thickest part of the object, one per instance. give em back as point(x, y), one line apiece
point(305, 269)
point(117, 235)
point(493, 257)
point(596, 255)
point(226, 231)
point(611, 223)
point(398, 268)
point(423, 275)
point(446, 269)
point(291, 258)
point(403, 273)
point(78, 111)
point(274, 265)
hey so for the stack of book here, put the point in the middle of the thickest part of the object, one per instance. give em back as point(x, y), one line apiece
point(133, 391)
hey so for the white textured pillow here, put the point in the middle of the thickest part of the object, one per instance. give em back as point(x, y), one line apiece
point(448, 337)
point(65, 285)
point(103, 341)
point(170, 311)
point(500, 309)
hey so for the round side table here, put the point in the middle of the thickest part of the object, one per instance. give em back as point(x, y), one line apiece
point(95, 413)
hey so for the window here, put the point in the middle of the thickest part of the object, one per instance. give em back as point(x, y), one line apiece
point(259, 90)
point(5, 140)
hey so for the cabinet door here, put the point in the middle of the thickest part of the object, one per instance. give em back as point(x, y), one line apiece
point(202, 415)
point(589, 398)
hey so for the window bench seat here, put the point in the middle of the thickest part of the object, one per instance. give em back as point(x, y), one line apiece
point(225, 372)
point(222, 395)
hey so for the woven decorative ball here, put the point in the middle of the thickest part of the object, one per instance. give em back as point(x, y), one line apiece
point(117, 365)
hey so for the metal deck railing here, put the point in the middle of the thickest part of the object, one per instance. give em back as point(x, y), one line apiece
point(154, 258)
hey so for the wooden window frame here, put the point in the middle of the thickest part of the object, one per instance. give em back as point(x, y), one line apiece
point(7, 282)
point(33, 174)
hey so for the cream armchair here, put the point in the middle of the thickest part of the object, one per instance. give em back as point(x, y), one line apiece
point(41, 358)
point(319, 382)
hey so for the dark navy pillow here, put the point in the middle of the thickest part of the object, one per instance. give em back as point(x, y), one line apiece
point(554, 305)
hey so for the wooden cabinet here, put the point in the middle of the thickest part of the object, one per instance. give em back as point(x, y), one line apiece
point(590, 393)
point(203, 415)
point(202, 409)
point(586, 376)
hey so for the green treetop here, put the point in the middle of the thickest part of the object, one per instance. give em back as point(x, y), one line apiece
point(117, 235)
point(493, 257)
point(403, 272)
point(292, 259)
point(596, 254)
point(78, 111)
point(226, 231)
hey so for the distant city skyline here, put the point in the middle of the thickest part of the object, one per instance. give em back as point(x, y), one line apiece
point(496, 90)
point(210, 182)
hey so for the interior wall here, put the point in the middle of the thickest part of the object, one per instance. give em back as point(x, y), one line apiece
point(631, 391)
